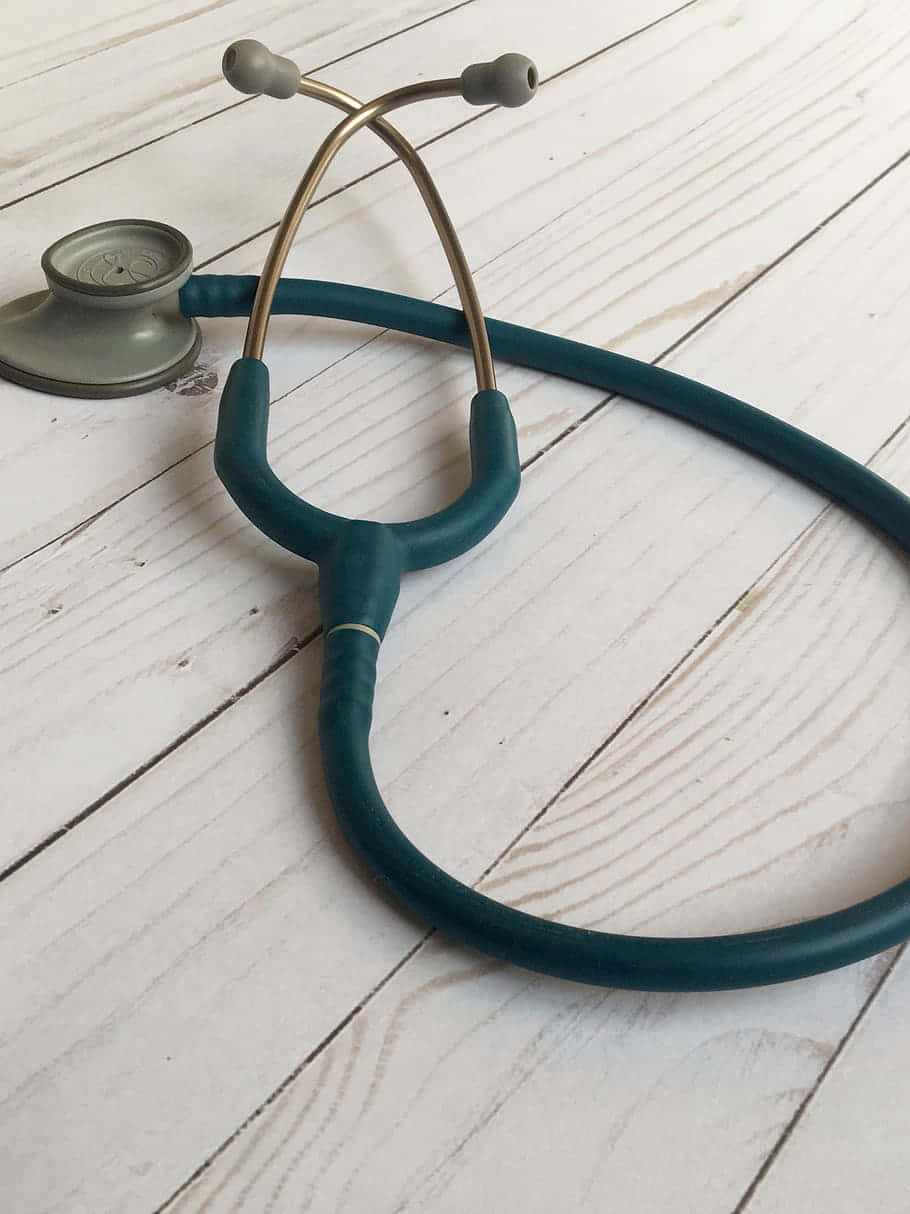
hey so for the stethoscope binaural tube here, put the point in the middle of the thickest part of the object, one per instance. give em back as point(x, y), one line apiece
point(361, 564)
point(339, 545)
point(250, 67)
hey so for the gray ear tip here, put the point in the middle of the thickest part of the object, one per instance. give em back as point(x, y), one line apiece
point(242, 64)
point(510, 80)
point(517, 78)
point(250, 67)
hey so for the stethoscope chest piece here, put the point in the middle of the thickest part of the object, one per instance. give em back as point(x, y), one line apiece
point(110, 322)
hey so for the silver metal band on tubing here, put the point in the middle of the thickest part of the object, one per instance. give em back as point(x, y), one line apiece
point(371, 632)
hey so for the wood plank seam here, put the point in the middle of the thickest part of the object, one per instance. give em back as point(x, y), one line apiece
point(773, 1156)
point(773, 264)
point(72, 532)
point(450, 130)
point(293, 648)
point(298, 1070)
point(12, 202)
point(132, 36)
point(316, 71)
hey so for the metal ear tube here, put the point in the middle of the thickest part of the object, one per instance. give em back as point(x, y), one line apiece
point(118, 316)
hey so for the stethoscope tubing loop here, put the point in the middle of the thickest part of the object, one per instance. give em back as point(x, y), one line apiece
point(778, 954)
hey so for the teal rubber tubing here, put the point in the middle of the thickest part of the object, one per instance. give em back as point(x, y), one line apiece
point(600, 958)
point(241, 461)
point(804, 457)
point(647, 963)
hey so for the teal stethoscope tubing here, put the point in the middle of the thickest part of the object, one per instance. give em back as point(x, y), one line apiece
point(600, 958)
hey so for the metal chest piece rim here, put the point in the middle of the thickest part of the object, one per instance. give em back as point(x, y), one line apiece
point(110, 322)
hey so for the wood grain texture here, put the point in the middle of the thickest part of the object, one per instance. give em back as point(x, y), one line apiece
point(189, 945)
point(112, 604)
point(144, 74)
point(668, 694)
point(32, 48)
point(86, 456)
point(849, 1152)
point(462, 1086)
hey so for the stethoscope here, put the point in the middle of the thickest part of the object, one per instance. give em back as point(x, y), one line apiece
point(119, 317)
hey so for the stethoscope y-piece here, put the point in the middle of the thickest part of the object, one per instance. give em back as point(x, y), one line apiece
point(361, 563)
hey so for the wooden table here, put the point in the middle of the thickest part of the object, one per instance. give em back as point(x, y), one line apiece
point(669, 693)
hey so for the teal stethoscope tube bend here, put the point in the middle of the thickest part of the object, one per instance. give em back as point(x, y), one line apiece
point(360, 566)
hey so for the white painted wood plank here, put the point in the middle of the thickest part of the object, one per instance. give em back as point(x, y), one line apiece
point(146, 615)
point(463, 1087)
point(84, 456)
point(39, 38)
point(777, 755)
point(132, 81)
point(189, 944)
point(849, 1150)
